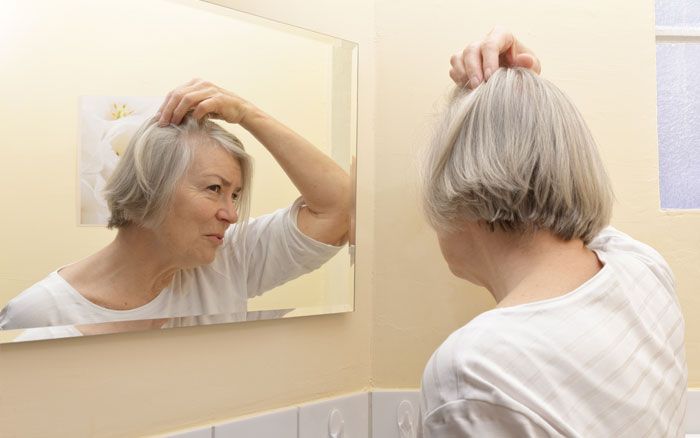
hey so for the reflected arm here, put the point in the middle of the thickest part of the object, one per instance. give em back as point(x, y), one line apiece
point(324, 185)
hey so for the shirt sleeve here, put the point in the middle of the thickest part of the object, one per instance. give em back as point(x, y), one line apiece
point(276, 251)
point(612, 240)
point(479, 418)
point(37, 306)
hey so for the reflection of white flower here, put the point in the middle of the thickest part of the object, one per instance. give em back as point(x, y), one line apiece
point(107, 125)
point(120, 111)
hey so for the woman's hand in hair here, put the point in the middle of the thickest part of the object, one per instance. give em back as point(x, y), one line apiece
point(202, 98)
point(480, 59)
point(324, 185)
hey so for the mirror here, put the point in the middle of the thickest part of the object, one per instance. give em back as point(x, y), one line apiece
point(114, 61)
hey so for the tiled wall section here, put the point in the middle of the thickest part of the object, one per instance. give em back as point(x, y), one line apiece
point(378, 414)
point(681, 13)
point(394, 413)
point(386, 414)
point(678, 97)
point(692, 416)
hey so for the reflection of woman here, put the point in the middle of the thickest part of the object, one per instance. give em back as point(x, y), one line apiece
point(179, 200)
point(587, 336)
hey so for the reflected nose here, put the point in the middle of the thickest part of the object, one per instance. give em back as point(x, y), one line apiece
point(228, 213)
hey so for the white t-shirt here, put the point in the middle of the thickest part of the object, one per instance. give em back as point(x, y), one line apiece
point(605, 360)
point(272, 252)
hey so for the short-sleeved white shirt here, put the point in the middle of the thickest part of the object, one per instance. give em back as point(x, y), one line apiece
point(605, 360)
point(271, 252)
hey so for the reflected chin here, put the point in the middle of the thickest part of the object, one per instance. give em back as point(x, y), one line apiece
point(202, 258)
point(210, 257)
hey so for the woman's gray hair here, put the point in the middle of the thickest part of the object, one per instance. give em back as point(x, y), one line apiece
point(515, 153)
point(142, 186)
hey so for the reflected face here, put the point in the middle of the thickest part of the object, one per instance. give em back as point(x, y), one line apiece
point(204, 205)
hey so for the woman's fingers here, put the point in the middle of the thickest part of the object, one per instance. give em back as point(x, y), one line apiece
point(162, 106)
point(473, 65)
point(498, 41)
point(457, 72)
point(169, 95)
point(529, 61)
point(172, 102)
point(204, 98)
point(467, 67)
point(182, 99)
point(210, 105)
point(481, 59)
point(189, 100)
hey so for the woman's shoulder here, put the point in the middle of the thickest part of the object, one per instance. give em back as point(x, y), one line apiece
point(628, 253)
point(467, 365)
point(489, 346)
point(35, 306)
point(51, 288)
point(464, 348)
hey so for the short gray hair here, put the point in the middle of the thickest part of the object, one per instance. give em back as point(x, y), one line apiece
point(141, 188)
point(515, 153)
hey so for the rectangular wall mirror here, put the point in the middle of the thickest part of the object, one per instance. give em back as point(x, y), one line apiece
point(75, 90)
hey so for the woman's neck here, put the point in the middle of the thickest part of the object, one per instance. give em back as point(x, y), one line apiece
point(128, 273)
point(538, 267)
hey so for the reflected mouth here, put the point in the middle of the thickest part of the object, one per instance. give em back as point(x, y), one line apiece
point(216, 238)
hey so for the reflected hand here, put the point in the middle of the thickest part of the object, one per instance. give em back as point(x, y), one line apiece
point(204, 98)
point(478, 61)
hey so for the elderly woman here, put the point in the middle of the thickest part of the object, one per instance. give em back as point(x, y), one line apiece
point(184, 246)
point(587, 336)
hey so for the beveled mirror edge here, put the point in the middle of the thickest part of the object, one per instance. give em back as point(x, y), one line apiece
point(70, 331)
point(253, 17)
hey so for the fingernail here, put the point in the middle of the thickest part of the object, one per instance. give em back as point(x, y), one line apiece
point(487, 73)
point(475, 81)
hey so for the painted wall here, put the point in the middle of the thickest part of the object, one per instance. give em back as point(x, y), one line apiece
point(602, 54)
point(150, 382)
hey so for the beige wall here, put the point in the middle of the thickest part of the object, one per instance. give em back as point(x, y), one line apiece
point(600, 52)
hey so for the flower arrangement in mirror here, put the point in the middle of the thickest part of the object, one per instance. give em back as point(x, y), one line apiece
point(107, 125)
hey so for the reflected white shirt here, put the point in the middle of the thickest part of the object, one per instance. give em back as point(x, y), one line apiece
point(271, 252)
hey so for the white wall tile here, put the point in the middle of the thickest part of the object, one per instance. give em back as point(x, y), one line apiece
point(692, 414)
point(678, 100)
point(679, 13)
point(385, 415)
point(278, 424)
point(364, 415)
point(314, 418)
point(205, 432)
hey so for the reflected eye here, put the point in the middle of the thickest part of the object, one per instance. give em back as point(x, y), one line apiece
point(214, 188)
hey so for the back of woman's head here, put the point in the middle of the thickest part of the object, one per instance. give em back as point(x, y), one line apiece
point(141, 188)
point(516, 154)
